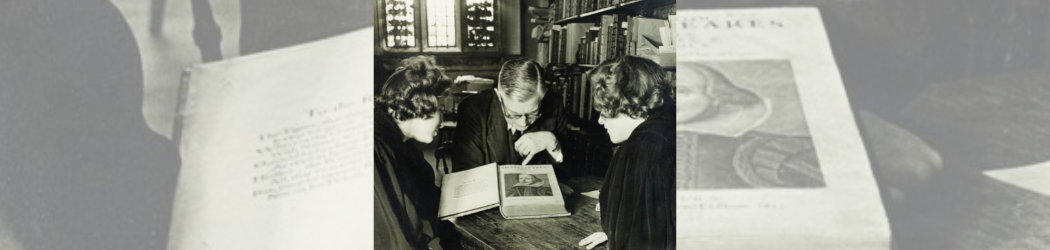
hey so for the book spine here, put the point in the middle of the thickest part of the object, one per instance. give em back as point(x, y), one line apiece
point(553, 45)
point(180, 105)
point(584, 95)
point(604, 38)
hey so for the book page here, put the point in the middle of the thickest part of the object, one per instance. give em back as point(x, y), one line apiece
point(768, 154)
point(469, 191)
point(275, 150)
point(530, 190)
point(1032, 177)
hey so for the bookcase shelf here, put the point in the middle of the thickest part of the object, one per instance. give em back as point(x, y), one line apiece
point(582, 34)
point(591, 16)
point(669, 68)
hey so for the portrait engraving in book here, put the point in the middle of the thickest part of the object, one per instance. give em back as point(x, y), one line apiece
point(768, 155)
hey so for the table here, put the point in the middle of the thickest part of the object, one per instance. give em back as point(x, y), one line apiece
point(969, 211)
point(489, 230)
point(979, 124)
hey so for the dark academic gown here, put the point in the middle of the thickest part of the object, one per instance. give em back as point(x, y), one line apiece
point(79, 168)
point(406, 199)
point(638, 195)
point(482, 136)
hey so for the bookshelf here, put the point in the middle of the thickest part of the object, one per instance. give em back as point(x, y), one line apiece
point(667, 67)
point(635, 5)
point(582, 34)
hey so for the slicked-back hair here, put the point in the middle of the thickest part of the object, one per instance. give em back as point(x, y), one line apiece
point(521, 79)
point(413, 90)
point(631, 86)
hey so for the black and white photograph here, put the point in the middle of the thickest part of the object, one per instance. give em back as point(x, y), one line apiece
point(745, 128)
point(525, 124)
point(566, 96)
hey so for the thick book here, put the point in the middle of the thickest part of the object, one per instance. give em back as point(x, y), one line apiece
point(768, 152)
point(276, 148)
point(520, 192)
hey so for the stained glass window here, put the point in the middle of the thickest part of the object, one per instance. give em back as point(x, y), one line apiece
point(400, 24)
point(441, 23)
point(481, 24)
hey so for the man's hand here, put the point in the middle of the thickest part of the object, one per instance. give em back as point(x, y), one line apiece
point(535, 142)
point(594, 240)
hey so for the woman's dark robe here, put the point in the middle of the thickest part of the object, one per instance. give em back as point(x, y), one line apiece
point(406, 198)
point(638, 195)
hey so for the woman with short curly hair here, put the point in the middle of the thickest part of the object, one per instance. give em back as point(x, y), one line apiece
point(636, 201)
point(406, 198)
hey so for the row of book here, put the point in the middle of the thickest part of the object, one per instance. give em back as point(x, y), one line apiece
point(614, 35)
point(589, 153)
point(571, 8)
point(577, 92)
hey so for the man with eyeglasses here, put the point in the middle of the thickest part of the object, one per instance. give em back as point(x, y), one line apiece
point(518, 122)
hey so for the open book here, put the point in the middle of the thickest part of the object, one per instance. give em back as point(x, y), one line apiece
point(521, 192)
point(275, 149)
point(768, 154)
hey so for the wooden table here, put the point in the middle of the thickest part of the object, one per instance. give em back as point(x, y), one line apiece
point(969, 211)
point(489, 230)
point(979, 124)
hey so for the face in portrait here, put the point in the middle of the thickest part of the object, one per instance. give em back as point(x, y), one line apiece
point(739, 128)
point(711, 103)
point(526, 179)
point(693, 96)
point(525, 185)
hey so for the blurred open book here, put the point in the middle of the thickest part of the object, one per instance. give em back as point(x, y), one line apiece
point(275, 149)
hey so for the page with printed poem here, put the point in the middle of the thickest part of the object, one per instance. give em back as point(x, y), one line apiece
point(469, 191)
point(275, 150)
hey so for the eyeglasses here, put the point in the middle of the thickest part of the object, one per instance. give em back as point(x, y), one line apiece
point(531, 116)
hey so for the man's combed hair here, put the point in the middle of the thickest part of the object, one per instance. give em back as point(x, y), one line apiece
point(630, 85)
point(521, 79)
point(413, 90)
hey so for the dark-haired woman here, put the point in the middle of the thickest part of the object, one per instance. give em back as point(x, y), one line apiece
point(637, 198)
point(406, 198)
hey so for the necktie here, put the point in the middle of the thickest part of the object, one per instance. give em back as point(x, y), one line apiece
point(512, 138)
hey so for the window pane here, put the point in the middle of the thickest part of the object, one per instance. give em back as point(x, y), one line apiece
point(481, 24)
point(441, 15)
point(400, 21)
